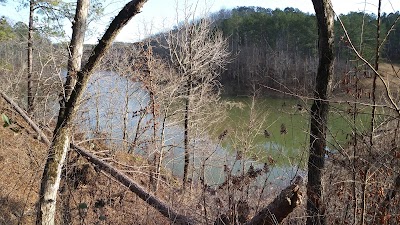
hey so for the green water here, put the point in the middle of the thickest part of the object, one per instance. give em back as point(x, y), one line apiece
point(277, 130)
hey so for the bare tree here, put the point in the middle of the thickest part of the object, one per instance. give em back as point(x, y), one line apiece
point(319, 112)
point(33, 6)
point(61, 137)
point(199, 54)
point(46, 81)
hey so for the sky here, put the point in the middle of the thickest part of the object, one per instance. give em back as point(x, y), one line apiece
point(161, 15)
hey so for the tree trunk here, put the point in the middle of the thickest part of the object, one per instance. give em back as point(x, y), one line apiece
point(61, 137)
point(186, 134)
point(155, 171)
point(76, 45)
point(30, 94)
point(319, 112)
point(74, 65)
point(376, 67)
point(187, 109)
point(152, 200)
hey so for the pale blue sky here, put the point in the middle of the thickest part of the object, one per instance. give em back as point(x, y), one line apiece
point(158, 15)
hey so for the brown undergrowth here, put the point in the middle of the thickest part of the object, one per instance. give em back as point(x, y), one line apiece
point(90, 196)
point(86, 196)
point(22, 160)
point(368, 179)
point(362, 185)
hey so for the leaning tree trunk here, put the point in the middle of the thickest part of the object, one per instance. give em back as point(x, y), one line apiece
point(289, 198)
point(319, 112)
point(61, 138)
point(30, 94)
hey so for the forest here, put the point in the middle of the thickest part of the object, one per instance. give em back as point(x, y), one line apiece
point(278, 48)
point(248, 115)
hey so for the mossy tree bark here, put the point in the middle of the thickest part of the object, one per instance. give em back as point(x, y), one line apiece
point(319, 112)
point(61, 138)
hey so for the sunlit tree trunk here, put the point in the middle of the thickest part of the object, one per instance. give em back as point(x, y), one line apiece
point(74, 65)
point(61, 139)
point(76, 45)
point(319, 112)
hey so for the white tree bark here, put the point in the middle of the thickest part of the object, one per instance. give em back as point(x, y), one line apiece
point(76, 45)
point(61, 137)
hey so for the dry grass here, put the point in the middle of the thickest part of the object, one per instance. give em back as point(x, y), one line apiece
point(22, 159)
point(390, 74)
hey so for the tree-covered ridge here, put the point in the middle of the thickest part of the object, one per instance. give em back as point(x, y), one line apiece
point(288, 29)
point(278, 48)
point(293, 30)
point(392, 46)
point(361, 28)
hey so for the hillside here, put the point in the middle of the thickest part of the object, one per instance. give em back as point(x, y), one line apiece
point(86, 195)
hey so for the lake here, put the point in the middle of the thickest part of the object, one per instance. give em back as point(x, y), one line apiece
point(275, 131)
point(284, 126)
point(270, 131)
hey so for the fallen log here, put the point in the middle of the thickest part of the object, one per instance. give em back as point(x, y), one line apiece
point(163, 208)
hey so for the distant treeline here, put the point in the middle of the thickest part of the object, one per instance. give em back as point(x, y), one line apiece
point(278, 48)
point(275, 49)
